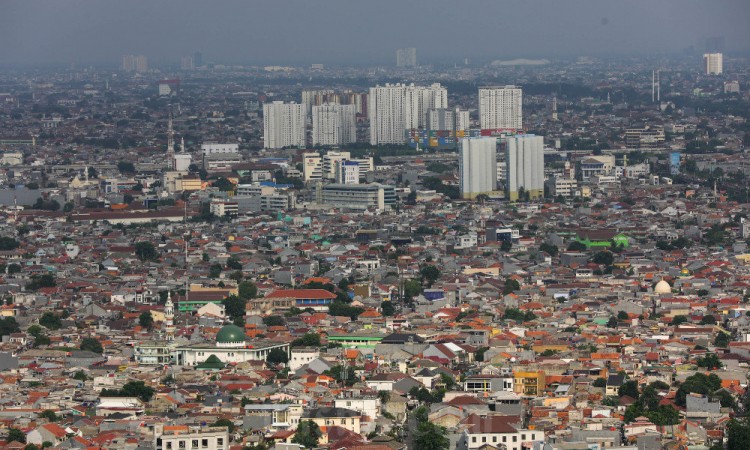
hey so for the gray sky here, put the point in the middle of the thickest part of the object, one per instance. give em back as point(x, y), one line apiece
point(359, 31)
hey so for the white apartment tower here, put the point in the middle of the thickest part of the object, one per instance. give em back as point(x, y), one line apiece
point(385, 108)
point(333, 125)
point(524, 165)
point(283, 125)
point(406, 57)
point(714, 63)
point(500, 108)
point(419, 100)
point(316, 97)
point(448, 119)
point(477, 166)
point(134, 63)
point(393, 109)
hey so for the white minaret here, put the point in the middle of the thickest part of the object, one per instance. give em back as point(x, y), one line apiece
point(169, 317)
point(182, 144)
point(554, 108)
point(170, 143)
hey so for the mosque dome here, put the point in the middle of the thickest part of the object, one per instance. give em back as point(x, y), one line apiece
point(230, 336)
point(662, 287)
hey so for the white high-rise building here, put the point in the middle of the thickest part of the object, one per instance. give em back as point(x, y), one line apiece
point(714, 63)
point(134, 63)
point(385, 108)
point(316, 97)
point(406, 57)
point(448, 119)
point(524, 166)
point(419, 100)
point(477, 166)
point(500, 108)
point(283, 125)
point(333, 125)
point(393, 109)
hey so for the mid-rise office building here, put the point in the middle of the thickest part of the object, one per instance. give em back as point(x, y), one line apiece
point(283, 125)
point(714, 63)
point(347, 172)
point(176, 437)
point(406, 57)
point(357, 196)
point(524, 165)
point(477, 166)
point(333, 124)
point(500, 108)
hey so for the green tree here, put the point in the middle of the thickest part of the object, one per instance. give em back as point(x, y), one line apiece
point(146, 320)
point(8, 325)
point(622, 315)
point(41, 281)
point(92, 345)
point(16, 435)
point(223, 184)
point(214, 271)
point(80, 376)
point(310, 339)
point(35, 330)
point(273, 321)
point(412, 288)
point(386, 308)
point(576, 246)
point(600, 382)
point(710, 361)
point(722, 340)
point(225, 423)
point(49, 415)
point(308, 434)
point(126, 167)
point(430, 273)
point(131, 389)
point(347, 377)
point(235, 309)
point(277, 356)
point(708, 320)
point(247, 290)
point(145, 251)
point(604, 257)
point(629, 388)
point(431, 437)
point(50, 321)
point(697, 383)
point(679, 320)
point(234, 263)
point(549, 248)
point(738, 434)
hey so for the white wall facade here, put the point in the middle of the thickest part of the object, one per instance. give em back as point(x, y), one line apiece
point(477, 166)
point(500, 108)
point(524, 164)
point(283, 125)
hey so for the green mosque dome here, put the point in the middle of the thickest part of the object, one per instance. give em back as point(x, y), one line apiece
point(230, 334)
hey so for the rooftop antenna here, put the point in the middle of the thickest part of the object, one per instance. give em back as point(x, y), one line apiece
point(170, 142)
point(554, 107)
point(653, 86)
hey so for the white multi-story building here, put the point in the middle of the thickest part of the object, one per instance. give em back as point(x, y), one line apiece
point(406, 57)
point(393, 109)
point(333, 124)
point(312, 167)
point(714, 63)
point(500, 108)
point(177, 437)
point(283, 125)
point(448, 119)
point(477, 166)
point(347, 172)
point(209, 148)
point(419, 100)
point(134, 63)
point(524, 165)
point(385, 108)
point(316, 97)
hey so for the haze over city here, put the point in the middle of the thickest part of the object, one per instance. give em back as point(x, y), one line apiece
point(360, 32)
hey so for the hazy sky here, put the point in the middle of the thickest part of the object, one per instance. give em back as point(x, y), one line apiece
point(359, 31)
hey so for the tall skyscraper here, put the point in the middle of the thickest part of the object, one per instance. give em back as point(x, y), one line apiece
point(198, 59)
point(316, 97)
point(283, 125)
point(333, 125)
point(406, 57)
point(134, 63)
point(393, 109)
point(500, 108)
point(524, 166)
point(187, 63)
point(419, 100)
point(477, 166)
point(385, 108)
point(714, 63)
